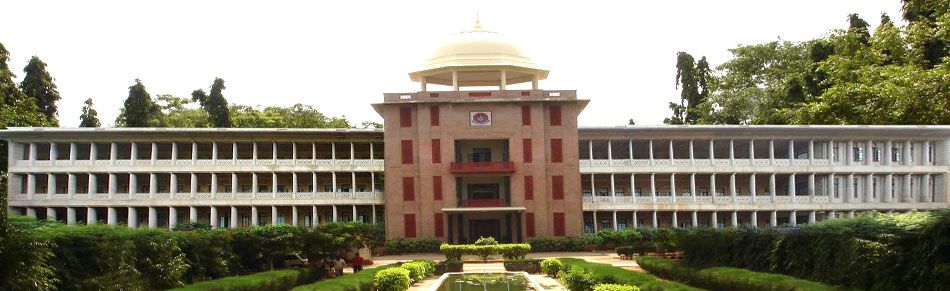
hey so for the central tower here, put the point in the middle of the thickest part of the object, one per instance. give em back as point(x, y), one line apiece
point(474, 162)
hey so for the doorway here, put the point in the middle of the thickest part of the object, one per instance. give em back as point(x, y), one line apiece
point(484, 228)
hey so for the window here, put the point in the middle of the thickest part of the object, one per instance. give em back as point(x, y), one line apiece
point(587, 192)
point(407, 152)
point(834, 153)
point(439, 225)
point(603, 192)
point(620, 192)
point(437, 188)
point(409, 221)
point(529, 224)
point(526, 149)
point(436, 151)
point(638, 191)
point(556, 150)
point(481, 155)
point(525, 114)
point(528, 187)
point(895, 154)
point(408, 187)
point(405, 116)
point(555, 111)
point(434, 115)
point(557, 187)
point(858, 153)
point(875, 154)
point(874, 188)
point(559, 224)
point(703, 191)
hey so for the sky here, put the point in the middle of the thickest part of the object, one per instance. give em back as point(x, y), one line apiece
point(341, 56)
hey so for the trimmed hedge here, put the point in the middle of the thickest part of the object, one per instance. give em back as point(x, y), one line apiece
point(556, 244)
point(393, 279)
point(551, 267)
point(279, 280)
point(604, 273)
point(412, 245)
point(360, 281)
point(508, 251)
point(724, 278)
point(873, 251)
point(532, 266)
point(615, 287)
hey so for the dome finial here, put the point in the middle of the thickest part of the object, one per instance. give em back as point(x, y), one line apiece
point(478, 21)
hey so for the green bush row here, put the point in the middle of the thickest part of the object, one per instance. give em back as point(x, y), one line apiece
point(105, 257)
point(523, 265)
point(412, 245)
point(399, 279)
point(873, 252)
point(278, 280)
point(508, 251)
point(615, 287)
point(724, 278)
point(359, 281)
point(556, 244)
point(585, 275)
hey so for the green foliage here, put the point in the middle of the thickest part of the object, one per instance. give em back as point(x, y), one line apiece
point(514, 251)
point(449, 266)
point(577, 279)
point(860, 252)
point(412, 245)
point(615, 287)
point(419, 269)
point(484, 241)
point(215, 104)
point(453, 252)
point(693, 77)
point(551, 267)
point(139, 108)
point(24, 258)
point(604, 273)
point(723, 278)
point(89, 117)
point(296, 116)
point(556, 244)
point(189, 226)
point(38, 84)
point(278, 280)
point(360, 281)
point(525, 265)
point(208, 254)
point(393, 279)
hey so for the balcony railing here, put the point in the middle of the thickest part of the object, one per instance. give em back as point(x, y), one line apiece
point(483, 203)
point(483, 167)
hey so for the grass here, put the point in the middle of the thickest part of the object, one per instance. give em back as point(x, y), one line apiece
point(727, 278)
point(277, 280)
point(609, 274)
point(360, 281)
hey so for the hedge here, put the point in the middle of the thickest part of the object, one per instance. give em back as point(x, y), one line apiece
point(873, 251)
point(508, 251)
point(724, 278)
point(556, 244)
point(532, 266)
point(359, 281)
point(278, 280)
point(412, 245)
point(393, 279)
point(615, 287)
point(604, 273)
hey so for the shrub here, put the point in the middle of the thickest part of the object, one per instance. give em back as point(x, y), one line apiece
point(24, 258)
point(556, 244)
point(453, 252)
point(484, 241)
point(625, 252)
point(514, 251)
point(207, 253)
point(419, 270)
point(604, 273)
point(551, 267)
point(722, 278)
point(527, 265)
point(393, 279)
point(615, 287)
point(267, 281)
point(360, 281)
point(643, 247)
point(412, 245)
point(577, 279)
point(448, 266)
point(484, 251)
point(189, 226)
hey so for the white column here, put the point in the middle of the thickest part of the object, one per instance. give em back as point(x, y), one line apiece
point(793, 218)
point(50, 183)
point(811, 152)
point(791, 149)
point(370, 153)
point(907, 195)
point(273, 152)
point(714, 219)
point(172, 217)
point(293, 155)
point(72, 153)
point(671, 152)
point(732, 151)
point(849, 156)
point(112, 216)
point(811, 217)
point(615, 220)
point(234, 183)
point(811, 186)
point(673, 221)
point(773, 219)
point(254, 185)
point(755, 218)
point(152, 183)
point(735, 218)
point(692, 157)
point(850, 186)
point(53, 153)
point(791, 185)
point(315, 218)
point(712, 185)
point(636, 223)
point(234, 216)
point(70, 215)
point(752, 189)
point(831, 186)
point(888, 148)
point(152, 217)
point(71, 186)
point(92, 185)
point(214, 155)
point(273, 184)
point(751, 151)
point(194, 151)
point(334, 214)
point(590, 150)
point(93, 152)
point(926, 194)
point(273, 214)
point(254, 153)
point(504, 81)
point(293, 215)
point(353, 184)
point(732, 186)
point(695, 218)
point(32, 151)
point(771, 151)
point(673, 187)
point(295, 189)
point(214, 217)
point(132, 218)
point(90, 215)
point(888, 188)
point(610, 153)
point(192, 214)
point(173, 184)
point(772, 186)
point(692, 186)
point(651, 151)
point(594, 217)
point(234, 152)
point(194, 183)
point(613, 188)
point(868, 188)
point(712, 151)
point(174, 153)
point(255, 219)
point(332, 151)
point(373, 216)
point(333, 175)
point(655, 223)
point(354, 213)
point(653, 187)
point(154, 153)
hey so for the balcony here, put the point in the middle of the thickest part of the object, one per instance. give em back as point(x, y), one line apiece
point(482, 167)
point(483, 203)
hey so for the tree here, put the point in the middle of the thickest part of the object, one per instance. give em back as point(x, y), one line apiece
point(857, 25)
point(38, 84)
point(370, 124)
point(89, 117)
point(216, 105)
point(296, 116)
point(689, 96)
point(928, 31)
point(139, 108)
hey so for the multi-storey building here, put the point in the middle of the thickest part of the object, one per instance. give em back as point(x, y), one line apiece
point(492, 154)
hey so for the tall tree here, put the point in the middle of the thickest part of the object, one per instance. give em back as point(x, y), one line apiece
point(928, 31)
point(693, 80)
point(89, 117)
point(38, 84)
point(215, 104)
point(857, 25)
point(139, 108)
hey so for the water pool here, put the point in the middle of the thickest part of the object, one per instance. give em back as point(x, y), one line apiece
point(495, 281)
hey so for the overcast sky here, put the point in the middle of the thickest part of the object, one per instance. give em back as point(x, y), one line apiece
point(340, 56)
